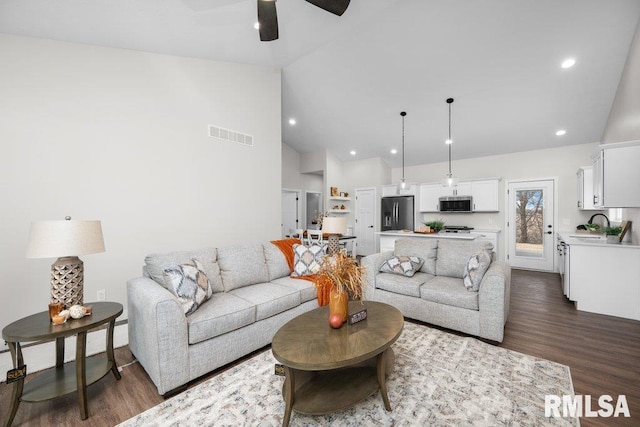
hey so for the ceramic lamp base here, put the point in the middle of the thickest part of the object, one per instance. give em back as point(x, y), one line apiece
point(67, 281)
point(333, 246)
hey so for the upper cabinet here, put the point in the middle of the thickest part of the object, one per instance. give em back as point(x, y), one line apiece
point(392, 190)
point(585, 188)
point(484, 193)
point(616, 174)
point(429, 197)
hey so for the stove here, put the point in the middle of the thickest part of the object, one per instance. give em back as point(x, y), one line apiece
point(457, 229)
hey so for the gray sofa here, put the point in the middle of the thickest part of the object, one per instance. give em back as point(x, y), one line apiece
point(253, 296)
point(436, 293)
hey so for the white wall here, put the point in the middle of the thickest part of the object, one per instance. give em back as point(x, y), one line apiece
point(624, 119)
point(121, 136)
point(561, 162)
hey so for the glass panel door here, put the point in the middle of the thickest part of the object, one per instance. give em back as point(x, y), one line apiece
point(530, 224)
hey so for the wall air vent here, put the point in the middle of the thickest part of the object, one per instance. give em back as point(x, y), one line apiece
point(230, 135)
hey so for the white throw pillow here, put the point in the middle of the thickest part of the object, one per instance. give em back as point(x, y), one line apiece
point(307, 259)
point(189, 283)
point(405, 265)
point(475, 268)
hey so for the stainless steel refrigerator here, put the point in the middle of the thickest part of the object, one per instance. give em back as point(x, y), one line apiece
point(397, 213)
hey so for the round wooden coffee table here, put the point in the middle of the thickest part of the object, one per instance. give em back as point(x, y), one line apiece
point(330, 369)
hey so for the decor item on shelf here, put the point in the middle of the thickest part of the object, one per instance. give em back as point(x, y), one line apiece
point(334, 227)
point(66, 240)
point(347, 278)
point(626, 225)
point(334, 192)
point(54, 309)
point(77, 311)
point(335, 320)
point(449, 180)
point(403, 182)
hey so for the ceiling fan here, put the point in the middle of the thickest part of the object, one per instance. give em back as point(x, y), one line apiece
point(268, 18)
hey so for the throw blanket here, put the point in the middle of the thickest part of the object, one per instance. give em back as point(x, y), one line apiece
point(323, 284)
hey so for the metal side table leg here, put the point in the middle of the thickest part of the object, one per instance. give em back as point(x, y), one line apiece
point(16, 355)
point(110, 356)
point(81, 373)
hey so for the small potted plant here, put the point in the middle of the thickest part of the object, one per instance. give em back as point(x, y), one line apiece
point(436, 225)
point(613, 234)
point(593, 228)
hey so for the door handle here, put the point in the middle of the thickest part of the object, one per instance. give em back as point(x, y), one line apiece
point(549, 232)
point(371, 226)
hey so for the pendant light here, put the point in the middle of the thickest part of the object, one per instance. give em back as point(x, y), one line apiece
point(403, 182)
point(449, 180)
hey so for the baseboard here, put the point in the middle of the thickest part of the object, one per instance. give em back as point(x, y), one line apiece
point(43, 356)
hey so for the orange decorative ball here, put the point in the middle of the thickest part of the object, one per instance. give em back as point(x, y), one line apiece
point(335, 320)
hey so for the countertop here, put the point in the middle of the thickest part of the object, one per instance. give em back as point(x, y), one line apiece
point(571, 238)
point(400, 233)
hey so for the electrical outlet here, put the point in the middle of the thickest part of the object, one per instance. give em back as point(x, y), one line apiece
point(102, 295)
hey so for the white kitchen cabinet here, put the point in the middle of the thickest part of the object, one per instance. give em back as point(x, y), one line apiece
point(392, 190)
point(585, 188)
point(389, 190)
point(430, 197)
point(462, 189)
point(616, 174)
point(609, 286)
point(485, 195)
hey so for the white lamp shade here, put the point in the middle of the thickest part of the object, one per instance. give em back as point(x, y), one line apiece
point(55, 239)
point(334, 225)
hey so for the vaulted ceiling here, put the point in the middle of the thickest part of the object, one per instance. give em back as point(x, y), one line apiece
point(346, 79)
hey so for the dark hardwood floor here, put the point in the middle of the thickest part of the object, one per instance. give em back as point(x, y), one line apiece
point(603, 353)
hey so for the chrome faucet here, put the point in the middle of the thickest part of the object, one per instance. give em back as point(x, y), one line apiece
point(601, 214)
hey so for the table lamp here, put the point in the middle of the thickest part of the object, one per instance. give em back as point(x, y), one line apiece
point(334, 227)
point(65, 240)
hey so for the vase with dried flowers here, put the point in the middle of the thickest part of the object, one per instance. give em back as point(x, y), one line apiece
point(347, 280)
point(317, 220)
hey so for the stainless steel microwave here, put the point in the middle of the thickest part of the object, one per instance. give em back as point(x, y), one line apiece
point(456, 204)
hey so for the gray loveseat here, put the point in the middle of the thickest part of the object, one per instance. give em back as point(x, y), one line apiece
point(253, 296)
point(436, 293)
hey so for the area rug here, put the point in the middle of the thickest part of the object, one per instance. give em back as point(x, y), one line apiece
point(440, 379)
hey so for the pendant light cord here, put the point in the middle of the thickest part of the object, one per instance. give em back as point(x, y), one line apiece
point(450, 101)
point(403, 114)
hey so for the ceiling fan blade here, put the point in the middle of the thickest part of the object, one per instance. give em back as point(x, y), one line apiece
point(268, 20)
point(337, 7)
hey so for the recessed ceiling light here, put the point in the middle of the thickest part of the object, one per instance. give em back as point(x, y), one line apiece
point(394, 151)
point(448, 141)
point(561, 132)
point(568, 63)
point(352, 152)
point(256, 25)
point(292, 121)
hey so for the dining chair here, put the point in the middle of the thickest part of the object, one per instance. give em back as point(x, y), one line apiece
point(314, 237)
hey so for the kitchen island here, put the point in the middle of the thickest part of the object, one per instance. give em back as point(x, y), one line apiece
point(600, 277)
point(388, 238)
